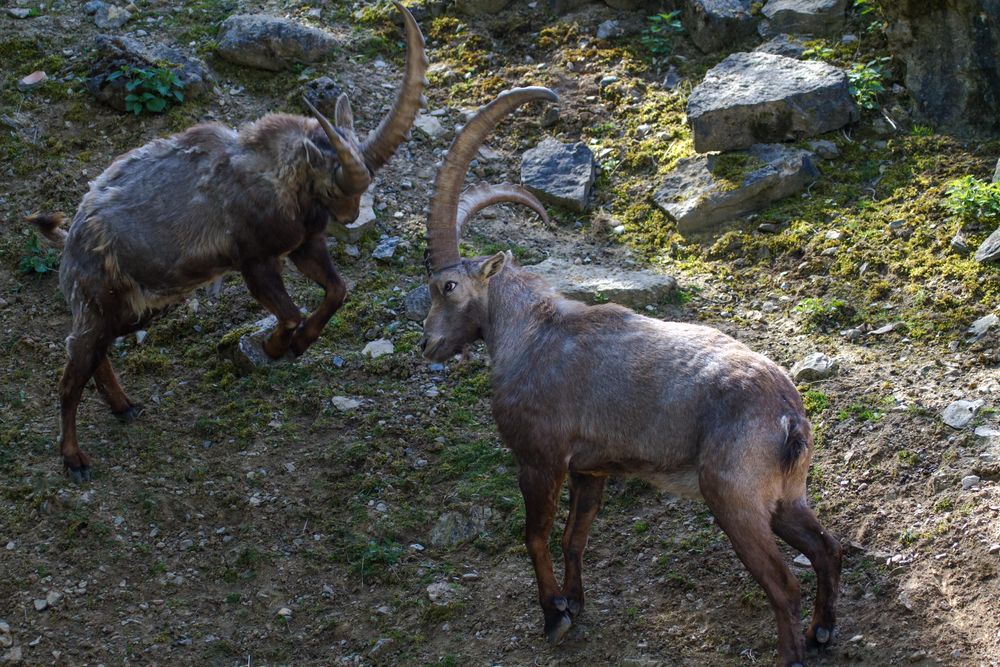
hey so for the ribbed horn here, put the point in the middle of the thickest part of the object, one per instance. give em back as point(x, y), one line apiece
point(442, 231)
point(479, 196)
point(352, 174)
point(383, 141)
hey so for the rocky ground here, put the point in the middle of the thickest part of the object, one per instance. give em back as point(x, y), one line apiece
point(356, 508)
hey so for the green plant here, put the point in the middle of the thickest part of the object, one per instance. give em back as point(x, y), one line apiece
point(38, 259)
point(658, 37)
point(922, 131)
point(825, 314)
point(815, 402)
point(819, 52)
point(973, 200)
point(866, 82)
point(153, 89)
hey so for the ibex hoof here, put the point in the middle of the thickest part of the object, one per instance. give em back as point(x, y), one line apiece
point(560, 603)
point(79, 475)
point(559, 629)
point(822, 635)
point(130, 414)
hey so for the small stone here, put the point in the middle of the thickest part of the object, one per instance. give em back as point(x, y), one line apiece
point(609, 29)
point(558, 173)
point(13, 656)
point(672, 79)
point(345, 404)
point(352, 251)
point(382, 643)
point(960, 413)
point(608, 80)
point(111, 17)
point(802, 561)
point(338, 361)
point(140, 335)
point(549, 117)
point(824, 148)
point(19, 12)
point(454, 527)
point(6, 639)
point(435, 368)
point(378, 348)
point(917, 656)
point(442, 592)
point(285, 613)
point(888, 328)
point(430, 126)
point(970, 481)
point(32, 81)
point(53, 598)
point(90, 8)
point(816, 366)
point(990, 249)
point(959, 243)
point(418, 303)
point(987, 432)
point(979, 328)
point(806, 17)
point(386, 248)
point(41, 604)
point(767, 228)
point(994, 549)
point(271, 42)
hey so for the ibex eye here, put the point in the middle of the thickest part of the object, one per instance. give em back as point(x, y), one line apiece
point(450, 286)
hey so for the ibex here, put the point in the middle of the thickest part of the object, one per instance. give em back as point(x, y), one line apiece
point(176, 213)
point(599, 390)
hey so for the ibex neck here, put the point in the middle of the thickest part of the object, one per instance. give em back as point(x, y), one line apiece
point(517, 305)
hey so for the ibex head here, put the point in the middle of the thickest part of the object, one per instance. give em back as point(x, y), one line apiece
point(358, 161)
point(460, 287)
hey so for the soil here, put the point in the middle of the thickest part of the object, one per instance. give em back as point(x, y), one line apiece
point(243, 519)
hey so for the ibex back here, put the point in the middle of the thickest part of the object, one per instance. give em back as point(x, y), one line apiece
point(592, 391)
point(181, 211)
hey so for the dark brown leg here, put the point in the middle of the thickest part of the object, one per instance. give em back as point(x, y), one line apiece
point(540, 488)
point(585, 493)
point(796, 524)
point(313, 260)
point(111, 389)
point(745, 519)
point(263, 279)
point(85, 352)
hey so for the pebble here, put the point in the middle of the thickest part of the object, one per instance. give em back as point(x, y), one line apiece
point(386, 248)
point(983, 324)
point(767, 228)
point(970, 481)
point(92, 7)
point(53, 598)
point(344, 403)
point(917, 656)
point(802, 561)
point(41, 605)
point(994, 549)
point(378, 348)
point(960, 413)
point(12, 656)
point(6, 639)
point(352, 251)
point(285, 613)
point(32, 81)
point(338, 361)
point(19, 12)
point(436, 368)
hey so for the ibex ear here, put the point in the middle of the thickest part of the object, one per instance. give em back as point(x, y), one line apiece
point(313, 155)
point(492, 266)
point(343, 115)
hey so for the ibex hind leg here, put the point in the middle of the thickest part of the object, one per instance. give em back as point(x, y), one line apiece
point(585, 492)
point(795, 523)
point(87, 345)
point(123, 407)
point(744, 515)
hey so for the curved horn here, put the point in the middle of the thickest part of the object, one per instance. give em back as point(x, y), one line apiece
point(442, 237)
point(383, 141)
point(482, 195)
point(352, 174)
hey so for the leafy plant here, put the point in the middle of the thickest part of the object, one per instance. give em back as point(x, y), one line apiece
point(819, 52)
point(973, 200)
point(825, 314)
point(866, 82)
point(153, 89)
point(658, 37)
point(38, 259)
point(815, 401)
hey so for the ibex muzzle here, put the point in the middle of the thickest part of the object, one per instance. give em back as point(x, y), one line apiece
point(592, 391)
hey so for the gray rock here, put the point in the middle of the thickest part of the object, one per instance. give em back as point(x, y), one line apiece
point(41, 604)
point(429, 125)
point(960, 413)
point(549, 117)
point(90, 8)
point(970, 481)
point(271, 43)
point(996, 173)
point(443, 593)
point(987, 432)
point(699, 193)
point(825, 148)
point(954, 82)
point(454, 527)
point(959, 243)
point(355, 231)
point(116, 52)
point(560, 174)
point(979, 328)
point(32, 81)
point(322, 93)
point(783, 45)
point(802, 561)
point(757, 97)
point(6, 639)
point(806, 17)
point(249, 352)
point(19, 12)
point(672, 78)
point(53, 598)
point(110, 17)
point(418, 303)
point(989, 251)
point(717, 24)
point(816, 366)
point(591, 283)
point(13, 656)
point(378, 348)
point(345, 403)
point(473, 7)
point(386, 248)
point(610, 29)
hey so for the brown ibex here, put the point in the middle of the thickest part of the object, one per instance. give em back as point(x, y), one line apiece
point(176, 213)
point(599, 390)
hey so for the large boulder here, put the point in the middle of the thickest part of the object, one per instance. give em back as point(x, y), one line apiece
point(116, 52)
point(270, 42)
point(951, 49)
point(473, 7)
point(706, 190)
point(594, 284)
point(752, 98)
point(716, 24)
point(558, 173)
point(806, 17)
point(989, 251)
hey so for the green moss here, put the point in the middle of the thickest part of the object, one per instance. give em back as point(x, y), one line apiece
point(731, 169)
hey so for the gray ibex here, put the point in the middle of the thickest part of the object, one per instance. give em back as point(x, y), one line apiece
point(599, 390)
point(178, 212)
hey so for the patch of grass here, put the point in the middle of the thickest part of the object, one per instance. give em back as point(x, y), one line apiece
point(865, 412)
point(815, 402)
point(825, 314)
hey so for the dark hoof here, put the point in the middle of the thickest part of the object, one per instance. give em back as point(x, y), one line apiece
point(822, 635)
point(79, 475)
point(130, 414)
point(558, 627)
point(574, 606)
point(819, 637)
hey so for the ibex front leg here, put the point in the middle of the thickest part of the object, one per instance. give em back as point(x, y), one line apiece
point(313, 260)
point(585, 493)
point(540, 488)
point(263, 279)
